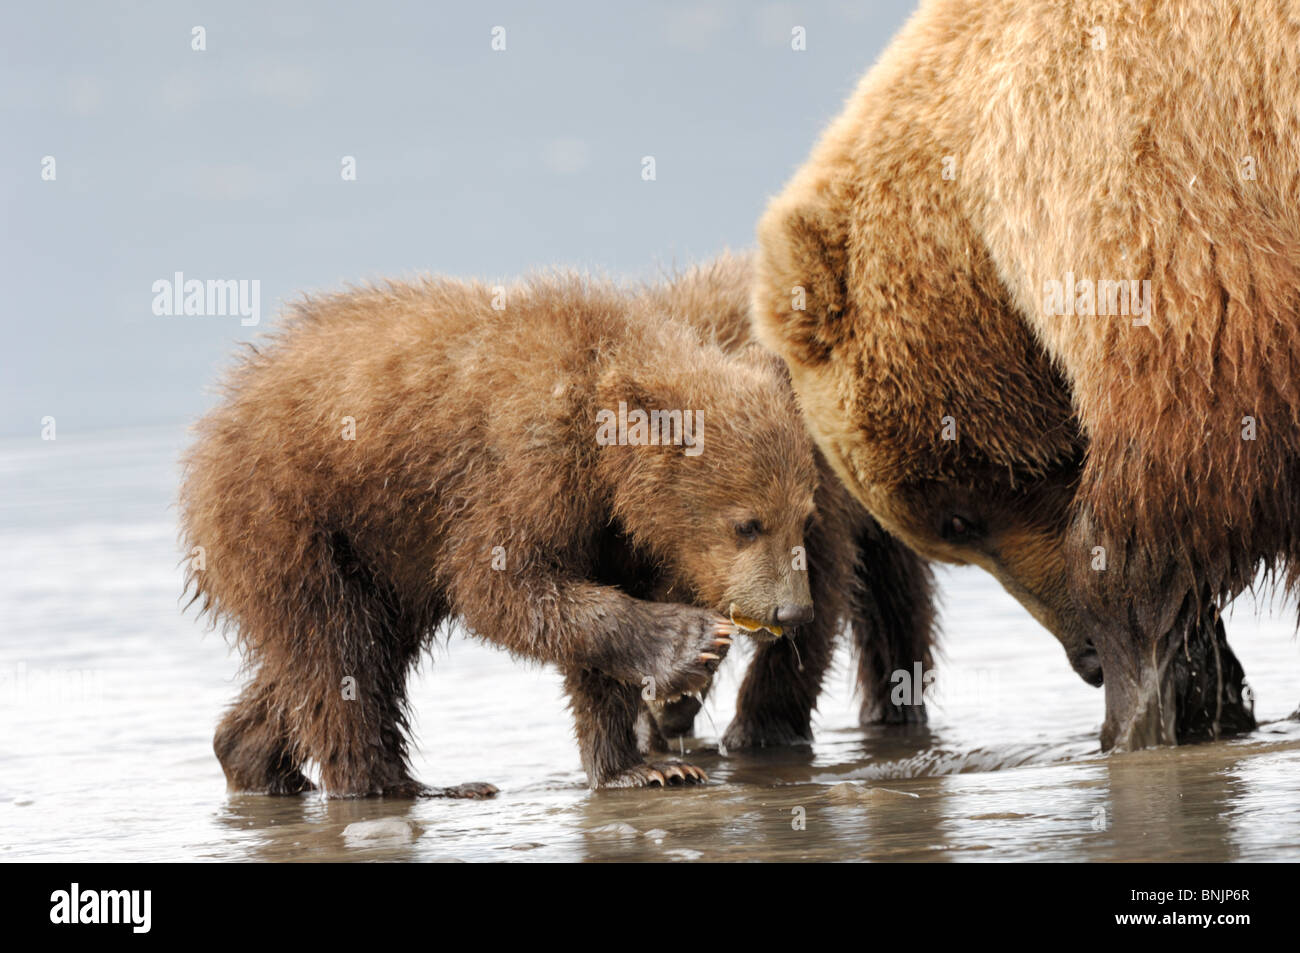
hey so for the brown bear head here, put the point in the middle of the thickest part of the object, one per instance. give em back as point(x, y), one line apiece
point(711, 471)
point(939, 410)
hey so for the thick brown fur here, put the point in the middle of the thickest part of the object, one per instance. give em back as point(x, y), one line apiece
point(394, 458)
point(1102, 139)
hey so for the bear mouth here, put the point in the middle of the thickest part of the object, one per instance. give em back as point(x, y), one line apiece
point(760, 631)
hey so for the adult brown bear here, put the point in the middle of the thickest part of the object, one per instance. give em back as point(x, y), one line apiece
point(1038, 287)
point(398, 457)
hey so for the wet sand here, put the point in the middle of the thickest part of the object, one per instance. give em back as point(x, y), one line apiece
point(109, 695)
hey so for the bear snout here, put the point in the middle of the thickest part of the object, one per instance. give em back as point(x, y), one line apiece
point(792, 614)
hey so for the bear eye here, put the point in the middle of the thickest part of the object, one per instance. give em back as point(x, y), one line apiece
point(958, 528)
point(749, 530)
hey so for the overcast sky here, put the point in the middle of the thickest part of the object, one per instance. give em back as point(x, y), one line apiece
point(226, 163)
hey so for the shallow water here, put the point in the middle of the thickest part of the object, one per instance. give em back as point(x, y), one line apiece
point(109, 695)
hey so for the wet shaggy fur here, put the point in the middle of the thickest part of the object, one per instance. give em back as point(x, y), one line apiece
point(473, 489)
point(1001, 144)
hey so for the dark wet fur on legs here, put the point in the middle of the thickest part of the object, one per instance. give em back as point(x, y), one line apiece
point(1191, 689)
point(1209, 684)
point(893, 624)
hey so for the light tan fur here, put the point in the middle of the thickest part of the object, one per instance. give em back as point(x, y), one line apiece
point(1104, 139)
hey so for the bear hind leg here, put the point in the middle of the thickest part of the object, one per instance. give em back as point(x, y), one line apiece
point(605, 713)
point(353, 720)
point(254, 748)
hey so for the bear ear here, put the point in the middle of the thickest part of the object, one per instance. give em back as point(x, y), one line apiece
point(646, 388)
point(676, 430)
point(800, 293)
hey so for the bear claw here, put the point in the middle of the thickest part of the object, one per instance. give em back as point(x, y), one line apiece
point(661, 773)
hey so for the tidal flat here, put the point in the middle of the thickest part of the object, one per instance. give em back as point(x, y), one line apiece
point(110, 695)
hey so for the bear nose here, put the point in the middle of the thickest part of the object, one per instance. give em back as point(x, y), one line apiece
point(794, 615)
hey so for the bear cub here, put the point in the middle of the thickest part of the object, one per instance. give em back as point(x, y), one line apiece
point(572, 477)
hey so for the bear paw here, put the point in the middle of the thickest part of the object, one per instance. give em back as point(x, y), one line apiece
point(700, 642)
point(877, 713)
point(751, 734)
point(289, 784)
point(661, 773)
point(473, 790)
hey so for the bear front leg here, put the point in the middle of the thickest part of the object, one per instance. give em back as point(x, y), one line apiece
point(576, 624)
point(609, 645)
point(605, 713)
point(1182, 687)
point(1210, 689)
point(892, 621)
point(780, 689)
